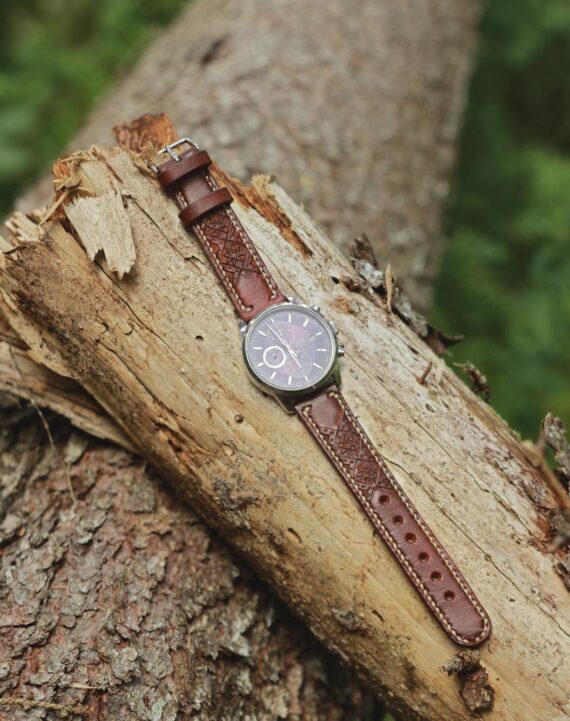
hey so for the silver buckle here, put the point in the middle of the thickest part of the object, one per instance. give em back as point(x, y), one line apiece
point(169, 149)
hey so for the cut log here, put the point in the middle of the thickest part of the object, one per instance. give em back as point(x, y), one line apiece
point(159, 350)
point(355, 107)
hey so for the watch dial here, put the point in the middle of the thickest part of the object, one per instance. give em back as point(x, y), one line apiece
point(290, 348)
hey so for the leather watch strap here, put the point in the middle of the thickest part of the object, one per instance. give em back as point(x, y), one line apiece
point(205, 209)
point(421, 555)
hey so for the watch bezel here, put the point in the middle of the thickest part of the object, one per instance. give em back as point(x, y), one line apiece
point(284, 392)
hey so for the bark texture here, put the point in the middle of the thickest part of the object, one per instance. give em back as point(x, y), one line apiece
point(159, 350)
point(123, 605)
point(353, 106)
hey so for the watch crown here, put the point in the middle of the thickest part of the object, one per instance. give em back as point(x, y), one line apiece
point(340, 350)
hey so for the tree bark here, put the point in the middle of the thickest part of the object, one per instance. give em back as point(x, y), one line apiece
point(123, 605)
point(159, 350)
point(354, 107)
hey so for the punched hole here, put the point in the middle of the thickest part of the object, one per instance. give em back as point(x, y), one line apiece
point(449, 595)
point(424, 557)
point(384, 500)
point(398, 520)
point(436, 576)
point(410, 538)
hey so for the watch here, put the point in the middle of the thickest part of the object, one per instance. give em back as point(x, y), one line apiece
point(291, 352)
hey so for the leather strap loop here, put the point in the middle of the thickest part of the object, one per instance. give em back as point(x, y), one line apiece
point(200, 207)
point(171, 174)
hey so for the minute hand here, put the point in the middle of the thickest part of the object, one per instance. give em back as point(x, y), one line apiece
point(282, 340)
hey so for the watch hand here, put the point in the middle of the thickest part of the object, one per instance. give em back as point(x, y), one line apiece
point(282, 340)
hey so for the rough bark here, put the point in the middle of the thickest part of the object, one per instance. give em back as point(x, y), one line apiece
point(353, 106)
point(123, 605)
point(159, 351)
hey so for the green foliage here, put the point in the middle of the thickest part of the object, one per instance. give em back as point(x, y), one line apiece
point(505, 281)
point(57, 58)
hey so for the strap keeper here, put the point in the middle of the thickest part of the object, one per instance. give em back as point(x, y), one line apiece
point(199, 208)
point(174, 170)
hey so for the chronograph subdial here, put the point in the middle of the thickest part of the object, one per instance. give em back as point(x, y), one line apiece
point(290, 348)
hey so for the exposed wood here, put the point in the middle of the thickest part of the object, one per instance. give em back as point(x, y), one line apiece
point(355, 108)
point(125, 606)
point(22, 377)
point(159, 350)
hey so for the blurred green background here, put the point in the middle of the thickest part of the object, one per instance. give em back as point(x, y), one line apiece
point(505, 276)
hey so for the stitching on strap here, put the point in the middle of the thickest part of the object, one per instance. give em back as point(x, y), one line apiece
point(248, 244)
point(388, 537)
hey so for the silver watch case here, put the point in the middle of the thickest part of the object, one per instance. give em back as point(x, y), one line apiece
point(288, 398)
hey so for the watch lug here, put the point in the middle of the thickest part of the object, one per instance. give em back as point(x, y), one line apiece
point(242, 327)
point(287, 404)
point(336, 375)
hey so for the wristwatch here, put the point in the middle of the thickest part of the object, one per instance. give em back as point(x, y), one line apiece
point(291, 352)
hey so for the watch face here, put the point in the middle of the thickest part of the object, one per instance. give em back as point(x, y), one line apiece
point(290, 348)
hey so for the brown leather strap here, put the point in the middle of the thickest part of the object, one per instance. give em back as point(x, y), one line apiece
point(421, 555)
point(171, 174)
point(205, 208)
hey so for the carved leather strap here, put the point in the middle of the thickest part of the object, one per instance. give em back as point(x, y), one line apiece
point(205, 209)
point(421, 555)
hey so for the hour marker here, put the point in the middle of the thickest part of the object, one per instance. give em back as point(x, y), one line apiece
point(305, 322)
point(321, 350)
point(288, 317)
point(261, 332)
point(317, 366)
point(319, 333)
point(273, 375)
point(307, 378)
point(260, 364)
point(289, 381)
point(257, 347)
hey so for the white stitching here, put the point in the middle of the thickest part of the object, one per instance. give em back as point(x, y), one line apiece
point(248, 244)
point(388, 536)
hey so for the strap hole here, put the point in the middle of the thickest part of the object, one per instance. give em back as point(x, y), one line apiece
point(449, 596)
point(424, 557)
point(410, 538)
point(398, 520)
point(384, 500)
point(436, 576)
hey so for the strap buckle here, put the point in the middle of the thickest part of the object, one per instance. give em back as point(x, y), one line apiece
point(170, 148)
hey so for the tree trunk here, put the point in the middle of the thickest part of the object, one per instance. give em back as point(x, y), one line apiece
point(354, 107)
point(159, 350)
point(123, 605)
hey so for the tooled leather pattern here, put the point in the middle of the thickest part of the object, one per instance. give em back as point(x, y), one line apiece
point(232, 253)
point(421, 555)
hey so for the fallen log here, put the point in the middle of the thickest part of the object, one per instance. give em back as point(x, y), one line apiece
point(158, 348)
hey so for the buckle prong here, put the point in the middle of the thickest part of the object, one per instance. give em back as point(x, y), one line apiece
point(169, 149)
